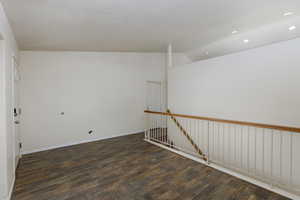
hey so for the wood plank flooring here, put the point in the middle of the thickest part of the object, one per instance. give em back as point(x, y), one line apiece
point(125, 168)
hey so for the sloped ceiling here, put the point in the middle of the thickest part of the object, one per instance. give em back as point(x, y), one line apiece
point(200, 28)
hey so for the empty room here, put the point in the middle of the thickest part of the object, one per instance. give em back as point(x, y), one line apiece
point(149, 100)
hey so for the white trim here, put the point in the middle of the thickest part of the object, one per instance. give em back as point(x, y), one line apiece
point(232, 173)
point(170, 56)
point(18, 157)
point(80, 142)
point(154, 82)
point(11, 190)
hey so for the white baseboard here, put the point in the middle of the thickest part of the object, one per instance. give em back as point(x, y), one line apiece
point(80, 142)
point(233, 173)
point(11, 189)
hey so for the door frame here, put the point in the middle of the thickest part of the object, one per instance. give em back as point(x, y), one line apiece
point(16, 130)
point(3, 126)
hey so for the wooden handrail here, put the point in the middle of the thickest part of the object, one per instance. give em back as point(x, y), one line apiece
point(186, 134)
point(269, 126)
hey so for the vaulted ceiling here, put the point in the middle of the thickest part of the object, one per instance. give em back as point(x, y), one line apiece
point(146, 25)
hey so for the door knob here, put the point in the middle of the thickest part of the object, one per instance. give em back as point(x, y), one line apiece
point(17, 122)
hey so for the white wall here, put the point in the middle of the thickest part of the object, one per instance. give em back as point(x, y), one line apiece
point(179, 59)
point(104, 92)
point(259, 85)
point(9, 48)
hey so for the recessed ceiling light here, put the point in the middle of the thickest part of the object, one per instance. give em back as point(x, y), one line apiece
point(246, 41)
point(288, 14)
point(234, 32)
point(292, 28)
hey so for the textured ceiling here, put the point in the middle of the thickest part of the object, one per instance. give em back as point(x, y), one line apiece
point(139, 25)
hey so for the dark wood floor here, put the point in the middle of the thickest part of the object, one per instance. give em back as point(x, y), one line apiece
point(125, 168)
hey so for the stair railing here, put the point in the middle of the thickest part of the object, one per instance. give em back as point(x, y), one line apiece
point(265, 152)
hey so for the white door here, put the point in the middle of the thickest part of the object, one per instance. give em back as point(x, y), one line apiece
point(154, 96)
point(16, 112)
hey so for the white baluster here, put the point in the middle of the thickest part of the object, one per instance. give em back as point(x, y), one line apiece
point(248, 147)
point(255, 150)
point(208, 141)
point(291, 159)
point(263, 152)
point(272, 141)
point(223, 131)
point(280, 158)
point(241, 133)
